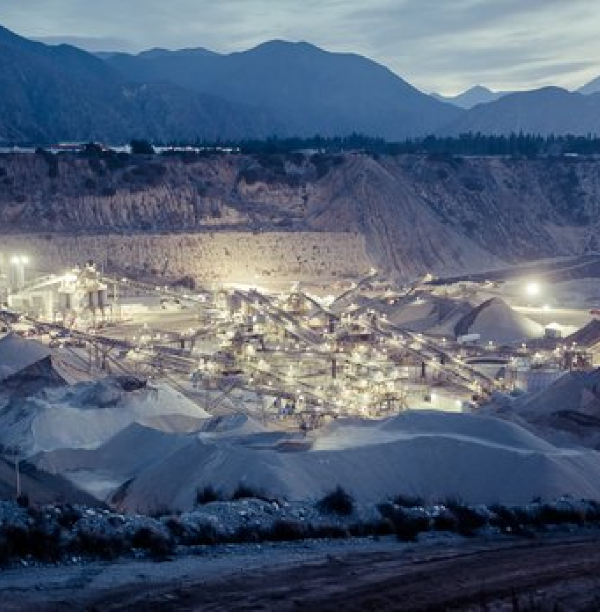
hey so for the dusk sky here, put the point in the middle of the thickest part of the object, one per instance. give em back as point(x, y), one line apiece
point(437, 45)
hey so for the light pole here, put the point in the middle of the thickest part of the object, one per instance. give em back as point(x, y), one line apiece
point(15, 451)
point(18, 473)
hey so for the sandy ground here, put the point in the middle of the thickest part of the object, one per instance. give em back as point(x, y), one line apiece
point(553, 573)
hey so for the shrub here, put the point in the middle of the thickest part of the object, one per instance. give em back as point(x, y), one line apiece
point(206, 534)
point(510, 520)
point(175, 527)
point(408, 501)
point(337, 502)
point(141, 147)
point(107, 546)
point(68, 516)
point(187, 282)
point(207, 495)
point(287, 531)
point(23, 500)
point(157, 544)
point(159, 511)
point(193, 534)
point(334, 532)
point(5, 552)
point(468, 520)
point(472, 184)
point(551, 514)
point(245, 491)
point(445, 521)
point(406, 525)
point(108, 192)
point(377, 528)
point(247, 534)
point(593, 512)
point(118, 161)
point(44, 541)
point(254, 174)
point(15, 541)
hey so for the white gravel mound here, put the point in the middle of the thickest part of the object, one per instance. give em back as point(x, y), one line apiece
point(87, 414)
point(429, 454)
point(566, 413)
point(495, 320)
point(16, 353)
point(575, 391)
point(432, 314)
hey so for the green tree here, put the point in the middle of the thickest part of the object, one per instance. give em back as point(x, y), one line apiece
point(141, 147)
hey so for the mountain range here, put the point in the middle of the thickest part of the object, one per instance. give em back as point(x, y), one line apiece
point(53, 93)
point(591, 88)
point(61, 93)
point(304, 88)
point(472, 97)
point(550, 110)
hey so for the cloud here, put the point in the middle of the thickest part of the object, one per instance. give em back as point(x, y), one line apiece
point(443, 45)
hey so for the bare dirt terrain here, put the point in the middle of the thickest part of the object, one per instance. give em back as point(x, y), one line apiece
point(557, 573)
point(202, 216)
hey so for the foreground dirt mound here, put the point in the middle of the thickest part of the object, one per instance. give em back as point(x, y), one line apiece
point(428, 454)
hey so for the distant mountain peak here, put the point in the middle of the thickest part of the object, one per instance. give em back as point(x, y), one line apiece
point(285, 47)
point(478, 94)
point(305, 89)
point(590, 88)
point(280, 42)
point(5, 33)
point(547, 110)
point(478, 89)
point(10, 38)
point(156, 52)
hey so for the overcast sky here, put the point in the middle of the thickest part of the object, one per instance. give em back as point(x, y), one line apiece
point(437, 45)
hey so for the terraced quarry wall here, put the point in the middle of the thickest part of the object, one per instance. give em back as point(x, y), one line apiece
point(239, 215)
point(223, 256)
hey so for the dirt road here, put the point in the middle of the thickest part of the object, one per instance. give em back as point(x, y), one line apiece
point(556, 574)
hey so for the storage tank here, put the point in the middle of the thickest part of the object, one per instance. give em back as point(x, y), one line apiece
point(102, 299)
point(65, 301)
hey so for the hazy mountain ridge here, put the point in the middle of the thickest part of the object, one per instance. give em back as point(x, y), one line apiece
point(54, 93)
point(590, 88)
point(472, 97)
point(307, 89)
point(60, 93)
point(416, 214)
point(550, 110)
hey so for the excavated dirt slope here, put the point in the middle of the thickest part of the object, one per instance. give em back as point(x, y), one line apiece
point(285, 215)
